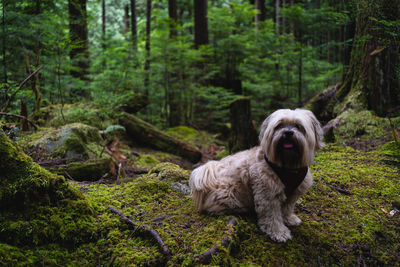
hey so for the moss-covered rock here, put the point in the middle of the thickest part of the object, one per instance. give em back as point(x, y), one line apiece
point(69, 141)
point(170, 172)
point(38, 207)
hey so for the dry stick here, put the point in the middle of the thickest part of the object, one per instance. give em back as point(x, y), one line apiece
point(164, 248)
point(21, 117)
point(118, 173)
point(205, 257)
point(20, 87)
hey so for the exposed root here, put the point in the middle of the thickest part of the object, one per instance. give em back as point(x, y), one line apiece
point(205, 257)
point(145, 230)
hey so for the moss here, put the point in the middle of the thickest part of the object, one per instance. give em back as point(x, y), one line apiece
point(146, 162)
point(86, 113)
point(90, 170)
point(170, 171)
point(391, 149)
point(37, 206)
point(70, 141)
point(338, 229)
point(360, 124)
point(222, 154)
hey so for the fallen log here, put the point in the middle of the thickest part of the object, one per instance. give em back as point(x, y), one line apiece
point(145, 133)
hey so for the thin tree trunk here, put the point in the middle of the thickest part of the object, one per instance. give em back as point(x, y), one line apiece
point(78, 32)
point(277, 16)
point(134, 24)
point(200, 23)
point(4, 43)
point(173, 16)
point(103, 24)
point(300, 73)
point(126, 19)
point(260, 6)
point(147, 61)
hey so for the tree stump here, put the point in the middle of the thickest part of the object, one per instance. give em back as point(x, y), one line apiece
point(243, 133)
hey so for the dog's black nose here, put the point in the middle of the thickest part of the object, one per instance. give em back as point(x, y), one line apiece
point(288, 133)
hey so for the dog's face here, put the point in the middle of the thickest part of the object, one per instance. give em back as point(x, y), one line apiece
point(290, 138)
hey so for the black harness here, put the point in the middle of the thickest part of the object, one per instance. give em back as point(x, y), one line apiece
point(291, 178)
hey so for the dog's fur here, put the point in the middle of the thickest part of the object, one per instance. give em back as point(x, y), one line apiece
point(245, 182)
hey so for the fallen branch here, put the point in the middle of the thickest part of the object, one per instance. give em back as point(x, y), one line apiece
point(21, 117)
point(144, 229)
point(5, 106)
point(339, 190)
point(205, 257)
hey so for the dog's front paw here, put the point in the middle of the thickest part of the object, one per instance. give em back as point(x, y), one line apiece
point(292, 220)
point(279, 233)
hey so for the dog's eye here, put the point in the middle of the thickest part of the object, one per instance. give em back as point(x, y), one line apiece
point(297, 126)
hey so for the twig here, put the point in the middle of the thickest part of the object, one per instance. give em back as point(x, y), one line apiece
point(337, 189)
point(4, 108)
point(118, 173)
point(154, 234)
point(69, 176)
point(205, 257)
point(21, 117)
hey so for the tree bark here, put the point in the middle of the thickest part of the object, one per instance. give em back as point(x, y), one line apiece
point(200, 23)
point(103, 24)
point(78, 33)
point(243, 132)
point(126, 19)
point(142, 132)
point(260, 6)
point(134, 24)
point(147, 47)
point(277, 16)
point(371, 81)
point(4, 39)
point(173, 16)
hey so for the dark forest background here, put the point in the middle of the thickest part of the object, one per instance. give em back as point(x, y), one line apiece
point(187, 59)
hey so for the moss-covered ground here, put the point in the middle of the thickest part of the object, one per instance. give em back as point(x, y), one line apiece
point(349, 215)
point(345, 215)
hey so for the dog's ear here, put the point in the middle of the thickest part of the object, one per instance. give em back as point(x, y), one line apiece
point(318, 132)
point(263, 127)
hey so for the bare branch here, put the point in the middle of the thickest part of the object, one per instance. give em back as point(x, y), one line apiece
point(21, 117)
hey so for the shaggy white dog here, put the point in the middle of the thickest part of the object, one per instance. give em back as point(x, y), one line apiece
point(269, 178)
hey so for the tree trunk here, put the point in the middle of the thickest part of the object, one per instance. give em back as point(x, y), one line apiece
point(134, 24)
point(277, 16)
point(371, 81)
point(173, 16)
point(374, 60)
point(147, 61)
point(243, 133)
point(260, 6)
point(174, 101)
point(78, 34)
point(200, 23)
point(142, 132)
point(103, 24)
point(4, 39)
point(126, 19)
point(24, 112)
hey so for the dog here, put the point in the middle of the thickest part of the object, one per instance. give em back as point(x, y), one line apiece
point(268, 178)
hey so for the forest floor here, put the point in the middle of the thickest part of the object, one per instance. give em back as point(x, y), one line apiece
point(350, 215)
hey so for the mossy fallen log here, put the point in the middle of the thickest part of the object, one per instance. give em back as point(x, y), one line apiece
point(90, 170)
point(145, 133)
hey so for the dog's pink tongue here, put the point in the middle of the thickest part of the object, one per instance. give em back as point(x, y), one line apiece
point(288, 145)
